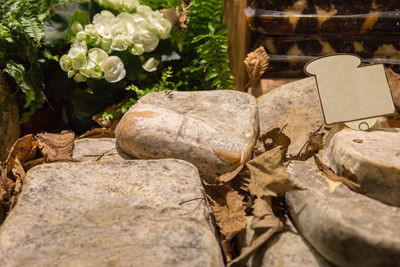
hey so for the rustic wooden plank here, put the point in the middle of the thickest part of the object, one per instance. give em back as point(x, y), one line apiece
point(239, 39)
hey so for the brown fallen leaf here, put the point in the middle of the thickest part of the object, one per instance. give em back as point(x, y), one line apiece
point(358, 141)
point(19, 173)
point(256, 64)
point(275, 138)
point(13, 173)
point(268, 176)
point(56, 147)
point(23, 149)
point(336, 178)
point(228, 210)
point(229, 213)
point(227, 177)
point(98, 133)
point(265, 224)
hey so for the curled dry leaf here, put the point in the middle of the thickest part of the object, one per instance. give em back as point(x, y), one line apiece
point(98, 133)
point(268, 176)
point(256, 64)
point(229, 213)
point(265, 224)
point(56, 147)
point(13, 173)
point(228, 209)
point(336, 178)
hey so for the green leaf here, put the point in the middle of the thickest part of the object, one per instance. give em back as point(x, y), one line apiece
point(33, 28)
point(17, 72)
point(79, 16)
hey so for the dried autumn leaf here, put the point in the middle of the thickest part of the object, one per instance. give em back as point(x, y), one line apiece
point(23, 149)
point(275, 138)
point(229, 213)
point(56, 147)
point(228, 210)
point(263, 214)
point(256, 64)
point(394, 84)
point(336, 178)
point(19, 173)
point(268, 176)
point(98, 133)
point(227, 177)
point(13, 173)
point(265, 224)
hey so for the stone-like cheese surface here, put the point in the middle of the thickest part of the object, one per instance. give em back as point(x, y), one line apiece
point(98, 149)
point(373, 157)
point(347, 228)
point(295, 104)
point(214, 130)
point(123, 213)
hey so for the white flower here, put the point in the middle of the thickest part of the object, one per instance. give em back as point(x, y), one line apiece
point(91, 72)
point(79, 78)
point(81, 36)
point(103, 22)
point(137, 49)
point(91, 30)
point(71, 73)
point(129, 20)
point(79, 62)
point(76, 27)
point(120, 43)
point(97, 55)
point(113, 69)
point(158, 24)
point(148, 39)
point(66, 63)
point(78, 47)
point(151, 64)
point(119, 27)
point(145, 11)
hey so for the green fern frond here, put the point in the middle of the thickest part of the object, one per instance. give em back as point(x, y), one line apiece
point(33, 28)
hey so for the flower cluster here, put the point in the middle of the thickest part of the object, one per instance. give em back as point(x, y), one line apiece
point(136, 33)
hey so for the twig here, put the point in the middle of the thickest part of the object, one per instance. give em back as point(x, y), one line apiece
point(104, 154)
point(186, 201)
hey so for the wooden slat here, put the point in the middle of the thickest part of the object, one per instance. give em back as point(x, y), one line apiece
point(239, 39)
